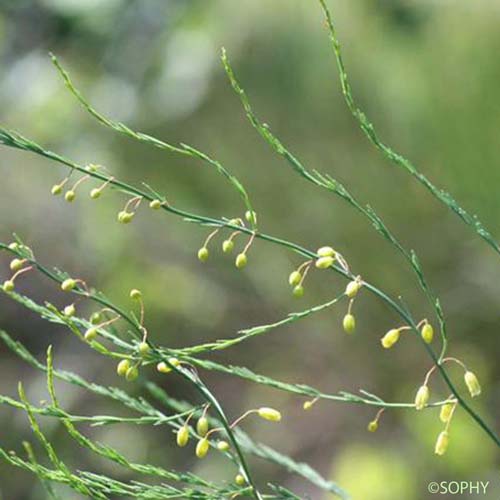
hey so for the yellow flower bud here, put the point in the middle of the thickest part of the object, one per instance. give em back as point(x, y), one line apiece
point(352, 288)
point(223, 446)
point(269, 414)
point(326, 252)
point(8, 286)
point(68, 284)
point(131, 374)
point(144, 349)
point(427, 333)
point(307, 405)
point(422, 397)
point(227, 246)
point(56, 189)
point(240, 480)
point(241, 261)
point(16, 264)
point(324, 262)
point(472, 384)
point(202, 426)
point(125, 217)
point(372, 426)
point(294, 278)
point(70, 196)
point(442, 443)
point(390, 338)
point(69, 311)
point(95, 193)
point(202, 448)
point(203, 254)
point(155, 204)
point(96, 318)
point(446, 412)
point(349, 323)
point(162, 367)
point(14, 246)
point(174, 362)
point(183, 436)
point(135, 294)
point(122, 367)
point(91, 334)
point(298, 291)
point(251, 216)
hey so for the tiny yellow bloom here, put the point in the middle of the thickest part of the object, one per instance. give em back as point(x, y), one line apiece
point(68, 285)
point(95, 193)
point(241, 261)
point(203, 254)
point(135, 294)
point(269, 414)
point(8, 286)
point(240, 480)
point(372, 426)
point(298, 291)
point(69, 311)
point(144, 349)
point(16, 264)
point(326, 252)
point(324, 262)
point(202, 448)
point(352, 288)
point(307, 405)
point(446, 412)
point(183, 436)
point(442, 443)
point(56, 189)
point(122, 367)
point(202, 426)
point(349, 323)
point(422, 397)
point(131, 374)
point(70, 196)
point(472, 384)
point(294, 278)
point(227, 246)
point(390, 338)
point(427, 333)
point(155, 204)
point(162, 367)
point(251, 216)
point(223, 446)
point(91, 334)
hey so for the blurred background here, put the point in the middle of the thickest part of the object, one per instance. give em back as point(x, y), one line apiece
point(427, 74)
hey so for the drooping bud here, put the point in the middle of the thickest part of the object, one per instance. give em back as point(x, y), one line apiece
point(16, 264)
point(202, 426)
point(241, 261)
point(91, 334)
point(422, 397)
point(427, 333)
point(69, 311)
point(446, 412)
point(68, 284)
point(70, 196)
point(326, 252)
point(227, 246)
point(298, 291)
point(352, 288)
point(472, 384)
point(251, 217)
point(135, 294)
point(390, 338)
point(324, 262)
point(294, 278)
point(122, 367)
point(203, 254)
point(131, 374)
point(240, 480)
point(373, 426)
point(183, 436)
point(95, 193)
point(202, 448)
point(144, 349)
point(269, 414)
point(155, 204)
point(223, 446)
point(56, 189)
point(349, 323)
point(442, 443)
point(8, 286)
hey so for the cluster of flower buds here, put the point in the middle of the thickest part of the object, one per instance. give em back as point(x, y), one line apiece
point(393, 335)
point(203, 432)
point(18, 266)
point(241, 259)
point(448, 408)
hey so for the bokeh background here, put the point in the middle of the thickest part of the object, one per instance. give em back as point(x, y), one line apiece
point(426, 72)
